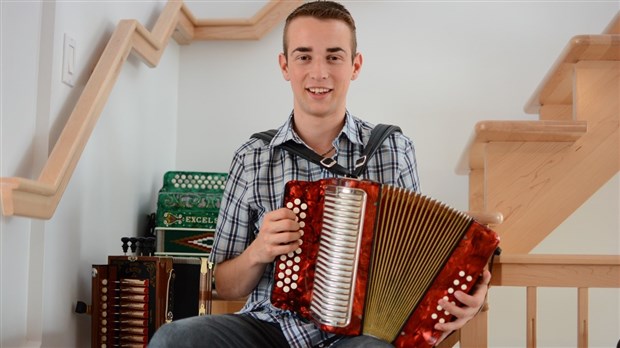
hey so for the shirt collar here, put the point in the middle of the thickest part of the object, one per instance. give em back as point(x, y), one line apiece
point(351, 130)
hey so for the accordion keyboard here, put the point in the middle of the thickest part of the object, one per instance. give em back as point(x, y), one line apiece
point(288, 271)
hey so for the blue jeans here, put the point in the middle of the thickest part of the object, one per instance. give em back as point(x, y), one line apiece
point(234, 330)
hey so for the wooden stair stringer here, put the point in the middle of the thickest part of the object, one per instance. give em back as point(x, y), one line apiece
point(536, 186)
point(545, 192)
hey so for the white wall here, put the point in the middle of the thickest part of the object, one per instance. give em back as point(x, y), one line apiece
point(435, 69)
point(46, 265)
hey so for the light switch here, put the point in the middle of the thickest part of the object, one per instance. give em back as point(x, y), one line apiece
point(68, 61)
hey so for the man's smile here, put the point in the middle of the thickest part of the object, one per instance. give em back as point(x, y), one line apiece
point(318, 90)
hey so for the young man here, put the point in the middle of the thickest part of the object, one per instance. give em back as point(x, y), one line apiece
point(320, 59)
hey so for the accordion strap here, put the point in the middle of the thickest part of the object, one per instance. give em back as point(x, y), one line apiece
point(377, 136)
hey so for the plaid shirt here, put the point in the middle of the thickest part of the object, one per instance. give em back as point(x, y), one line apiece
point(255, 187)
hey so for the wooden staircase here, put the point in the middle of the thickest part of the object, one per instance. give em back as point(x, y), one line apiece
point(537, 173)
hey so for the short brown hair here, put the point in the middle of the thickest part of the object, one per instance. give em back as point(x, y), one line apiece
point(322, 10)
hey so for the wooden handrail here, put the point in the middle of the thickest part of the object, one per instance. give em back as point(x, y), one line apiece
point(39, 198)
point(515, 131)
point(587, 271)
point(581, 272)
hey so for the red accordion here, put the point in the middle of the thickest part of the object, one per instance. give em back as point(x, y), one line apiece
point(375, 259)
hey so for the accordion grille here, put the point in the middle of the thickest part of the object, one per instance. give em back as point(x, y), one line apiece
point(335, 274)
point(414, 237)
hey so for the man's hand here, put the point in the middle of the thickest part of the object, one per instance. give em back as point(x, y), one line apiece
point(471, 307)
point(279, 234)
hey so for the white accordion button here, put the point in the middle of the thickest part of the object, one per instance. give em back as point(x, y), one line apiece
point(464, 287)
point(434, 316)
point(462, 273)
point(304, 206)
point(450, 291)
point(297, 201)
point(279, 284)
point(294, 286)
point(442, 320)
point(469, 278)
point(456, 282)
point(289, 205)
point(286, 289)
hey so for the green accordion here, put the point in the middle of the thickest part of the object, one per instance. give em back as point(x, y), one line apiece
point(187, 208)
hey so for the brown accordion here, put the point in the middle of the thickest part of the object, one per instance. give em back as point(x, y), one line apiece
point(132, 296)
point(375, 259)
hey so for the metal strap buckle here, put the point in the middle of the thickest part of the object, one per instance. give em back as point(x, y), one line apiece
point(360, 162)
point(328, 162)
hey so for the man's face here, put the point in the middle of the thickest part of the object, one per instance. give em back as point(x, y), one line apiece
point(319, 66)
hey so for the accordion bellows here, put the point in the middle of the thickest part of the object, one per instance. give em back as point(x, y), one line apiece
point(375, 259)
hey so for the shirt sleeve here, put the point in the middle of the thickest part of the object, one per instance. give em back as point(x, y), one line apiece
point(232, 235)
point(408, 169)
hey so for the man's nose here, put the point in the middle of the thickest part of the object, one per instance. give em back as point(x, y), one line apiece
point(319, 70)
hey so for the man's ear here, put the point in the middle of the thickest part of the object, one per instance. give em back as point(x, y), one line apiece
point(357, 65)
point(282, 61)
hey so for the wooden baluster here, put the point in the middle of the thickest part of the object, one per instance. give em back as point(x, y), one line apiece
point(582, 317)
point(531, 317)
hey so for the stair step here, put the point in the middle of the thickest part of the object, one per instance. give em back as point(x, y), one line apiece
point(516, 131)
point(557, 86)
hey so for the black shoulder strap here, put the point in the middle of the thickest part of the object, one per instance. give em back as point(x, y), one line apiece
point(377, 136)
point(265, 136)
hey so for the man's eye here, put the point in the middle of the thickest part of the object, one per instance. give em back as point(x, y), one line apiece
point(303, 58)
